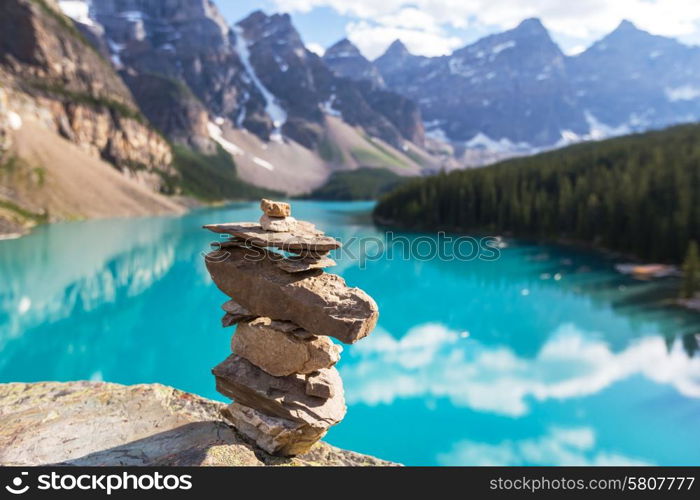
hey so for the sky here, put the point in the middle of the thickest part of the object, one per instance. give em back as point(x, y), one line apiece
point(437, 27)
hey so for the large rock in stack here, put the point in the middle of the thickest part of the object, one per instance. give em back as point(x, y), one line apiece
point(281, 377)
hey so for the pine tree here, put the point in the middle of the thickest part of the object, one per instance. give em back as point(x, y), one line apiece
point(638, 194)
point(691, 272)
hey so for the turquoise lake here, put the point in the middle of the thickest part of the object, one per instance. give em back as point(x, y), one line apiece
point(544, 356)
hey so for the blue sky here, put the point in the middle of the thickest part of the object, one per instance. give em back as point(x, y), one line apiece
point(434, 27)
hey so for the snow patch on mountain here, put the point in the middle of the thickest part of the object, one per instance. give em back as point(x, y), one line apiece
point(433, 130)
point(327, 107)
point(273, 109)
point(502, 145)
point(115, 50)
point(217, 135)
point(568, 137)
point(599, 130)
point(132, 15)
point(263, 163)
point(497, 49)
point(78, 10)
point(14, 120)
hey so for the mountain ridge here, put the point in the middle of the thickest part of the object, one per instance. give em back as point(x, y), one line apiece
point(153, 90)
point(516, 92)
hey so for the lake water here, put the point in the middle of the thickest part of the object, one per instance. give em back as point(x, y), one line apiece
point(544, 356)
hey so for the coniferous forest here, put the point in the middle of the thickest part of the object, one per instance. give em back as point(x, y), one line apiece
point(637, 194)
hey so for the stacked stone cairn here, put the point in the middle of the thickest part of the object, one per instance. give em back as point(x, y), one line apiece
point(281, 377)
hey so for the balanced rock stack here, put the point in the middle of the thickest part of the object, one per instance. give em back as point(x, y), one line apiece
point(281, 377)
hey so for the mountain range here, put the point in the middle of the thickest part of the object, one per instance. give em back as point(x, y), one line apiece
point(517, 92)
point(173, 100)
point(146, 101)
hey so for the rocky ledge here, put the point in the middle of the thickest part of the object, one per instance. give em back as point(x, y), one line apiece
point(96, 423)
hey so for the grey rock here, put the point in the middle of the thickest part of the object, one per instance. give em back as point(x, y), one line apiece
point(318, 302)
point(98, 424)
point(230, 243)
point(277, 224)
point(234, 313)
point(304, 237)
point(301, 264)
point(233, 307)
point(277, 436)
point(323, 383)
point(274, 347)
point(283, 397)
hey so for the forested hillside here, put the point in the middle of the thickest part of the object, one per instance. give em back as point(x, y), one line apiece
point(361, 184)
point(639, 194)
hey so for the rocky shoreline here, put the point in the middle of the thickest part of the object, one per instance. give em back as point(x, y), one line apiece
point(101, 424)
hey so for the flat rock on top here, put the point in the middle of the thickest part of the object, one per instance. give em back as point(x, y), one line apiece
point(304, 237)
point(285, 397)
point(319, 302)
point(97, 423)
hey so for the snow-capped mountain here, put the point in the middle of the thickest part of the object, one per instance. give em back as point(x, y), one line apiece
point(509, 93)
point(256, 74)
point(516, 92)
point(509, 87)
point(632, 81)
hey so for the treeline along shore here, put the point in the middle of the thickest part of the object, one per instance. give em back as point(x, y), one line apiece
point(637, 194)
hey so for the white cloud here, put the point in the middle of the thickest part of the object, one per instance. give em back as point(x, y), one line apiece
point(316, 48)
point(576, 49)
point(415, 349)
point(559, 446)
point(684, 93)
point(579, 22)
point(373, 39)
point(410, 18)
point(432, 361)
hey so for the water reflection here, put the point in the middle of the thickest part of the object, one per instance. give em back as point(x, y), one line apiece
point(559, 446)
point(47, 276)
point(433, 361)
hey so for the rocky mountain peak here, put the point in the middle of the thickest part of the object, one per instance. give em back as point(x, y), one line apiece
point(632, 80)
point(504, 91)
point(188, 45)
point(531, 27)
point(627, 33)
point(529, 35)
point(275, 29)
point(342, 49)
point(394, 59)
point(397, 49)
point(346, 60)
point(45, 58)
point(629, 44)
point(522, 52)
point(625, 26)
